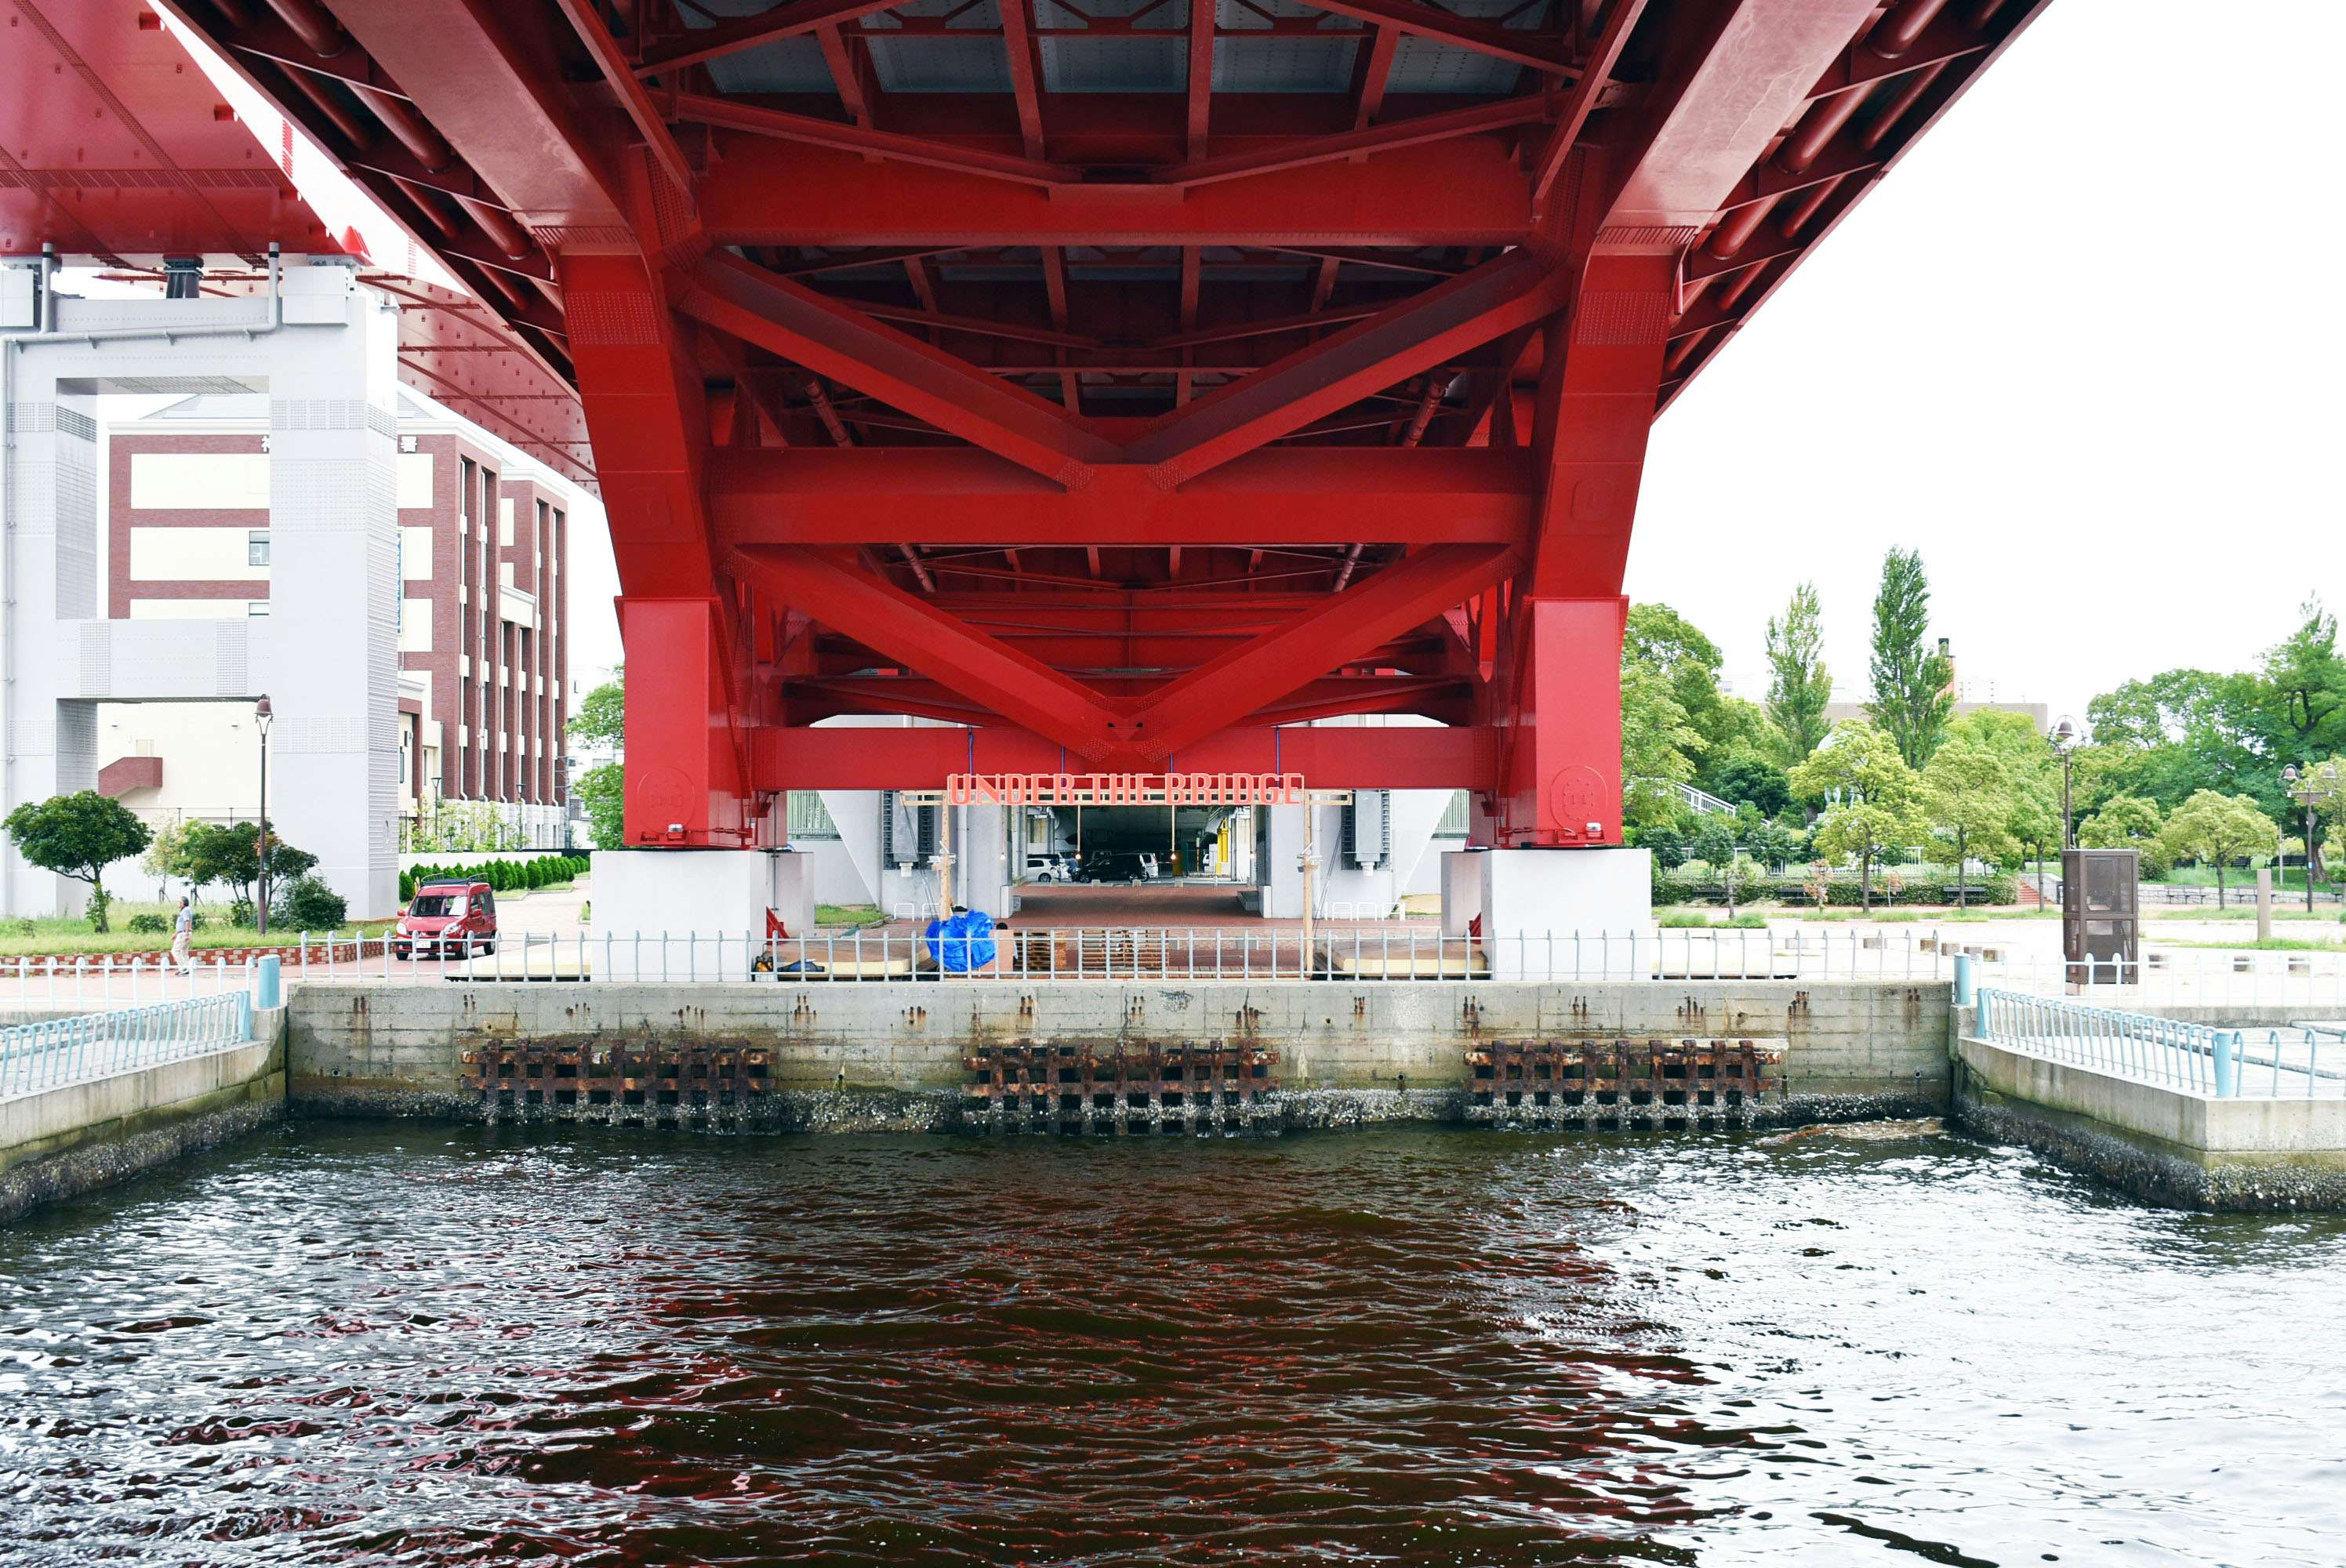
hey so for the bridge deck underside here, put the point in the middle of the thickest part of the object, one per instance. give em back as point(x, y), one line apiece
point(1114, 382)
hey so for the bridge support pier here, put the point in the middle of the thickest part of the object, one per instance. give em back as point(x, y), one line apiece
point(669, 898)
point(1563, 914)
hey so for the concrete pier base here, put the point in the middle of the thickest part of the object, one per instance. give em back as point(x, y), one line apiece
point(1560, 914)
point(704, 892)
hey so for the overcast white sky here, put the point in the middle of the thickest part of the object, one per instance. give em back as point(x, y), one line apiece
point(2084, 337)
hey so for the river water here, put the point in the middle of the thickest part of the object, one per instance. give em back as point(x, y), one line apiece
point(412, 1344)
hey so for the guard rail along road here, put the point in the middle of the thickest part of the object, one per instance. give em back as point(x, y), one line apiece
point(2313, 982)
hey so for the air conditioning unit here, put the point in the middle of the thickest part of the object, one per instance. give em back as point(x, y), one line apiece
point(1367, 832)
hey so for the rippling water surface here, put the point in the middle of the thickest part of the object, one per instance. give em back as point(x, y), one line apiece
point(418, 1344)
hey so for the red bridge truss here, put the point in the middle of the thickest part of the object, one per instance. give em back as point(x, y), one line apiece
point(1122, 380)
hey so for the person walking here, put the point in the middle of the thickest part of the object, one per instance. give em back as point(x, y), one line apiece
point(183, 936)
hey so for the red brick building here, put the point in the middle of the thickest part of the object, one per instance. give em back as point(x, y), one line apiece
point(482, 637)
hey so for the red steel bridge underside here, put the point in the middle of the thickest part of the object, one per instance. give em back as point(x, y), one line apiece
point(1120, 379)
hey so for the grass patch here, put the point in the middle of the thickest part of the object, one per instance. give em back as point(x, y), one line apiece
point(853, 916)
point(71, 935)
point(2269, 944)
point(1684, 919)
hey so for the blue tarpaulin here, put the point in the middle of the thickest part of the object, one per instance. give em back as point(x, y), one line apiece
point(963, 941)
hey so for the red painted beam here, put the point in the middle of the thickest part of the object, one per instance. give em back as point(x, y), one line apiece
point(787, 21)
point(754, 120)
point(1427, 329)
point(1447, 26)
point(839, 342)
point(1304, 151)
point(1464, 191)
point(1284, 495)
point(1290, 656)
point(986, 670)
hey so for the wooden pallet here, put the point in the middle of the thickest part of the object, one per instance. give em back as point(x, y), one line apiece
point(1685, 1083)
point(1201, 1089)
point(633, 1082)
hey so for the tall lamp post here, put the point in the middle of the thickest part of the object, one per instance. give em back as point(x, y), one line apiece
point(260, 717)
point(2065, 738)
point(2322, 786)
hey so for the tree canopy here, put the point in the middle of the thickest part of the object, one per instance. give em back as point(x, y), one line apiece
point(79, 836)
point(1970, 797)
point(1799, 685)
point(2216, 830)
point(1872, 798)
point(1910, 678)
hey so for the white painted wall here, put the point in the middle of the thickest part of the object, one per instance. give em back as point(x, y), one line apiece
point(196, 555)
point(193, 609)
point(199, 480)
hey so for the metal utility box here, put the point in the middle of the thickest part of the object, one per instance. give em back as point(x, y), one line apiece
point(2101, 916)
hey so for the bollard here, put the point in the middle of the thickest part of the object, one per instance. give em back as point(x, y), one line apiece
point(1964, 982)
point(2227, 1055)
point(266, 988)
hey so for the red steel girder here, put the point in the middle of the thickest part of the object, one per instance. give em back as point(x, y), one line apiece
point(1461, 313)
point(1292, 496)
point(1463, 191)
point(1288, 656)
point(1021, 688)
point(843, 344)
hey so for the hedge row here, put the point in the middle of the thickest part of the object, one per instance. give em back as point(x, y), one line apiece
point(2003, 888)
point(502, 875)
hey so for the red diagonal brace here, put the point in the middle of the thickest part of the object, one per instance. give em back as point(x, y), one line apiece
point(1293, 655)
point(875, 611)
point(1463, 313)
point(841, 342)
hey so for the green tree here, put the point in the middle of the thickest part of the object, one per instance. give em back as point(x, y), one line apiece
point(602, 716)
point(1872, 798)
point(2036, 771)
point(79, 836)
point(1799, 685)
point(2127, 823)
point(1656, 746)
point(1911, 697)
point(1968, 797)
point(2215, 829)
point(230, 853)
point(167, 854)
point(602, 793)
point(1715, 844)
point(2304, 688)
point(1751, 781)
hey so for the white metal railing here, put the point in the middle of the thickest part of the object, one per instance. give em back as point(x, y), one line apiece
point(60, 1050)
point(2310, 983)
point(115, 980)
point(2196, 1058)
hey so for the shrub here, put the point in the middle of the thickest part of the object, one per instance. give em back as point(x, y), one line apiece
point(146, 924)
point(311, 905)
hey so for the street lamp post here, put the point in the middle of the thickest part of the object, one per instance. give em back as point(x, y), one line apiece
point(260, 717)
point(2312, 788)
point(2064, 736)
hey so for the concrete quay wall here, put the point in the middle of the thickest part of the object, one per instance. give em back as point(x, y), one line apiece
point(62, 1142)
point(2188, 1151)
point(889, 1056)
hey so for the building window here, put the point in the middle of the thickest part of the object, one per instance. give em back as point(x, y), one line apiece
point(256, 609)
point(256, 547)
point(808, 818)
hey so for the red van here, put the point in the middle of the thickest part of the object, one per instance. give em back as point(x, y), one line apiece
point(447, 915)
